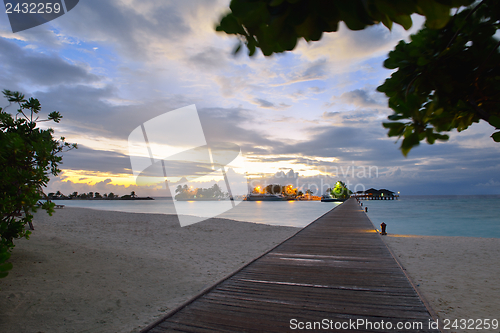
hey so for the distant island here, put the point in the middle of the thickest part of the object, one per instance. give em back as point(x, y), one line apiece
point(94, 196)
point(214, 193)
point(275, 192)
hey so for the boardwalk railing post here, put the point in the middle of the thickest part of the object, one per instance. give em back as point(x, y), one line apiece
point(382, 227)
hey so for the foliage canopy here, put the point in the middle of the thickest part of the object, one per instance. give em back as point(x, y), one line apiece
point(28, 155)
point(446, 78)
point(340, 191)
point(275, 26)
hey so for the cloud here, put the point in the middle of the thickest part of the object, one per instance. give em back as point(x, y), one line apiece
point(235, 85)
point(263, 103)
point(109, 66)
point(268, 105)
point(348, 46)
point(361, 98)
point(87, 111)
point(85, 158)
point(28, 66)
point(209, 59)
point(308, 93)
point(234, 125)
point(315, 70)
point(67, 187)
point(489, 183)
point(136, 28)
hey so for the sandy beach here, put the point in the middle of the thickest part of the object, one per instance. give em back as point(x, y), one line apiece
point(458, 276)
point(93, 271)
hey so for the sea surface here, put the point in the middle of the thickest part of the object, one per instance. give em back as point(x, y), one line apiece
point(283, 213)
point(472, 216)
point(438, 215)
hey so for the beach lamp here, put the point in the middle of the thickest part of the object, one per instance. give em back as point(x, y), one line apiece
point(382, 227)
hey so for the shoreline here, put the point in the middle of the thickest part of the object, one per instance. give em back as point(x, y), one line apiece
point(458, 276)
point(85, 270)
point(88, 270)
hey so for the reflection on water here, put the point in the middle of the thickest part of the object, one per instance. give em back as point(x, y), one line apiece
point(474, 216)
point(284, 213)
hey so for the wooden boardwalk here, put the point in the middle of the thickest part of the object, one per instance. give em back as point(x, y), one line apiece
point(336, 272)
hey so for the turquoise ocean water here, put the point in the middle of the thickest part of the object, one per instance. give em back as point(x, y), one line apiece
point(438, 215)
point(473, 216)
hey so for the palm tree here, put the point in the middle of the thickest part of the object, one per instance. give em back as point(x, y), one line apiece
point(132, 194)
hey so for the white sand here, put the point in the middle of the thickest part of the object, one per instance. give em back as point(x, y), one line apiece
point(458, 276)
point(97, 271)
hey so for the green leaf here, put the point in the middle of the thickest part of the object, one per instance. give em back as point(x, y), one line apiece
point(6, 267)
point(387, 22)
point(237, 48)
point(395, 129)
point(409, 142)
point(496, 136)
point(494, 121)
point(429, 134)
point(437, 15)
point(230, 25)
point(55, 116)
point(275, 3)
point(442, 137)
point(404, 20)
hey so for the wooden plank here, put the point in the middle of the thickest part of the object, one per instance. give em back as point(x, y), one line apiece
point(337, 269)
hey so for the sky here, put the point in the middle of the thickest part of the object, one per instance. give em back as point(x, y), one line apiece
point(308, 117)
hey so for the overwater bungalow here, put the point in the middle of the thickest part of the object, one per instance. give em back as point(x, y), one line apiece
point(374, 194)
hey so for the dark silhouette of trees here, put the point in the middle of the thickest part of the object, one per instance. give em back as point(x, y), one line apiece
point(211, 193)
point(28, 155)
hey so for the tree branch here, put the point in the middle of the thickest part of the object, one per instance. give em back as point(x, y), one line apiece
point(465, 21)
point(480, 112)
point(480, 69)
